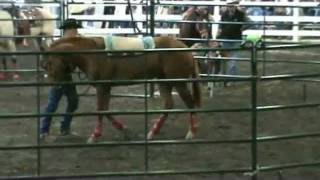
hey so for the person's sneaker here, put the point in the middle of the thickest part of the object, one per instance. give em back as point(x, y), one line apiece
point(43, 135)
point(68, 133)
point(64, 132)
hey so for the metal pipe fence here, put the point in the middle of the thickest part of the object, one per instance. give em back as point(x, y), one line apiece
point(254, 108)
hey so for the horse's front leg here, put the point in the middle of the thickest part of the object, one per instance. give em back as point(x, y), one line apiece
point(165, 93)
point(190, 103)
point(103, 99)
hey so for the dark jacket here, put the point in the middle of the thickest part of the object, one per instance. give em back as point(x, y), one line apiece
point(232, 31)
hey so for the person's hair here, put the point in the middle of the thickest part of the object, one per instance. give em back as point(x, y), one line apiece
point(70, 24)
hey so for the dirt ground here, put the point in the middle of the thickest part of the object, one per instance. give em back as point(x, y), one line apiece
point(179, 157)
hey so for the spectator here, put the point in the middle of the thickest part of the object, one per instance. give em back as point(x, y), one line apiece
point(256, 11)
point(281, 11)
point(231, 31)
point(70, 28)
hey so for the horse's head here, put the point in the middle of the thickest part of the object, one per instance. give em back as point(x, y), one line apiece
point(58, 66)
point(202, 15)
point(13, 11)
point(196, 30)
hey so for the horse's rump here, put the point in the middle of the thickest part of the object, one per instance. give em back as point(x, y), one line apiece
point(6, 28)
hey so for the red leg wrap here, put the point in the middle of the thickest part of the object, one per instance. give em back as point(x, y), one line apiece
point(118, 125)
point(193, 123)
point(158, 124)
point(98, 128)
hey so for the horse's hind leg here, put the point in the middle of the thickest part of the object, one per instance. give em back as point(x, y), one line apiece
point(188, 100)
point(217, 66)
point(210, 66)
point(3, 75)
point(165, 93)
point(103, 96)
point(16, 75)
point(12, 48)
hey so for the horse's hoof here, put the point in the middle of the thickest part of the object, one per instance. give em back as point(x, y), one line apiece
point(150, 135)
point(189, 135)
point(92, 139)
point(16, 77)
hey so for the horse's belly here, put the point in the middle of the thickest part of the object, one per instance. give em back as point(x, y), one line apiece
point(139, 67)
point(137, 73)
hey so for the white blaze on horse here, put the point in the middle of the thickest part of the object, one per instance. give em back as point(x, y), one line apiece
point(162, 65)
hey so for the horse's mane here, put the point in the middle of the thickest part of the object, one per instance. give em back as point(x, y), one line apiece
point(77, 42)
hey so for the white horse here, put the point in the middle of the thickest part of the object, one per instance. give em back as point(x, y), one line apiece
point(28, 26)
point(39, 27)
point(7, 44)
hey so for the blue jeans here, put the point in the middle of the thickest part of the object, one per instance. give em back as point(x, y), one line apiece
point(55, 95)
point(232, 64)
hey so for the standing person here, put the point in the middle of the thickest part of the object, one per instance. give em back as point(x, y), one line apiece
point(232, 14)
point(70, 29)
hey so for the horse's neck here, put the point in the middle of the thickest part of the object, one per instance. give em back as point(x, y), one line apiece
point(82, 61)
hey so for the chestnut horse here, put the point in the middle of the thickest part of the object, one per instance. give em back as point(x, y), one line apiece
point(195, 30)
point(150, 65)
point(202, 31)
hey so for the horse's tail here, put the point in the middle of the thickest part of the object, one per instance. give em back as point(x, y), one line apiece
point(196, 87)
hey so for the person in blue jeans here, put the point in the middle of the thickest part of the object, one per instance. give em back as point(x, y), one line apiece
point(70, 29)
point(232, 32)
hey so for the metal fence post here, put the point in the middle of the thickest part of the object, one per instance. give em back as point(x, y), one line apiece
point(152, 25)
point(254, 73)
